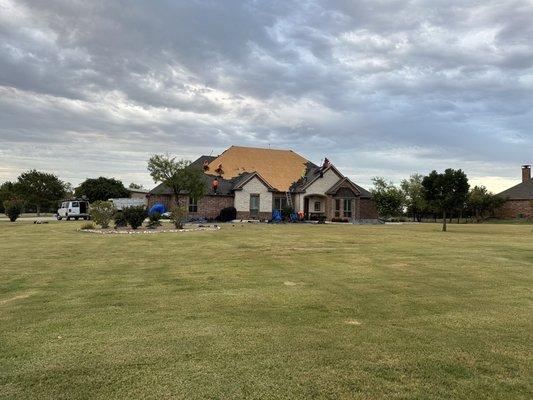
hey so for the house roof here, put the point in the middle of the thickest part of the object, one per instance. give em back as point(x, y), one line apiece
point(280, 168)
point(247, 177)
point(522, 191)
point(225, 186)
point(358, 189)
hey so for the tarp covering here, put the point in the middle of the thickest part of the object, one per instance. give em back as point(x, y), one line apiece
point(276, 216)
point(158, 207)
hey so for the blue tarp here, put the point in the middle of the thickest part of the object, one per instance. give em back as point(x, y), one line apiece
point(158, 207)
point(276, 216)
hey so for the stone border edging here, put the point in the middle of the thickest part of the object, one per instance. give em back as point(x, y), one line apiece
point(148, 231)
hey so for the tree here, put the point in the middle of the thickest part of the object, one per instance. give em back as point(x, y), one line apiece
point(178, 175)
point(388, 198)
point(7, 192)
point(446, 192)
point(101, 189)
point(40, 189)
point(135, 186)
point(415, 200)
point(481, 202)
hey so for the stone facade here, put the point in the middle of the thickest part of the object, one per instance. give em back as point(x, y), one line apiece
point(254, 186)
point(516, 209)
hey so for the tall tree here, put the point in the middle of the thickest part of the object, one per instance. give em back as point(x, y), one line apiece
point(7, 192)
point(178, 175)
point(415, 199)
point(135, 186)
point(101, 189)
point(389, 199)
point(446, 191)
point(481, 202)
point(40, 189)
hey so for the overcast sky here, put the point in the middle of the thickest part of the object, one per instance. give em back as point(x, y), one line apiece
point(382, 88)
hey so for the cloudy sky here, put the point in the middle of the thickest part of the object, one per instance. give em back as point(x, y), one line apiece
point(382, 88)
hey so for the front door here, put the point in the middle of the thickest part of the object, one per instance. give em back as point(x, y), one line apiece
point(306, 207)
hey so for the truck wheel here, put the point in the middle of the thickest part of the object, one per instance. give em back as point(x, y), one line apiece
point(59, 218)
point(85, 218)
point(68, 218)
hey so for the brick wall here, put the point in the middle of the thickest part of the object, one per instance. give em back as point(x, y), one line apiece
point(368, 209)
point(514, 208)
point(208, 206)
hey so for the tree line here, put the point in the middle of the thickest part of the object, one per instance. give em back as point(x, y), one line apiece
point(37, 191)
point(445, 195)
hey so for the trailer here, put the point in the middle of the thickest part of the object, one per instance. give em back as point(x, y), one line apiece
point(125, 202)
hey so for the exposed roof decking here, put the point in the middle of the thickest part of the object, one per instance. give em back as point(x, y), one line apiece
point(280, 168)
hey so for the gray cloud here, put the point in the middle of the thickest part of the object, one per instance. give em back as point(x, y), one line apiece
point(380, 87)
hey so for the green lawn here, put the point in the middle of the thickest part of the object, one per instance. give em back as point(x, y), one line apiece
point(267, 312)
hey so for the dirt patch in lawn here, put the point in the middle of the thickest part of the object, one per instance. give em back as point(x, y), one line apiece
point(289, 283)
point(17, 297)
point(352, 322)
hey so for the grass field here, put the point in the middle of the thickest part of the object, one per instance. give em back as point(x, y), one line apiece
point(267, 312)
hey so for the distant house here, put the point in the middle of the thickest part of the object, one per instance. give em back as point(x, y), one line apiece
point(519, 198)
point(138, 193)
point(257, 181)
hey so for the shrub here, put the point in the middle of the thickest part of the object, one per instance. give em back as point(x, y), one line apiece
point(102, 213)
point(13, 208)
point(154, 220)
point(87, 226)
point(135, 216)
point(178, 215)
point(286, 212)
point(119, 219)
point(227, 214)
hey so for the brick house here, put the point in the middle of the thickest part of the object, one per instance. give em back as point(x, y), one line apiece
point(257, 181)
point(519, 198)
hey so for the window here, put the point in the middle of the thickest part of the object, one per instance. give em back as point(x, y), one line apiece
point(337, 208)
point(317, 206)
point(348, 208)
point(280, 203)
point(193, 205)
point(254, 203)
point(75, 204)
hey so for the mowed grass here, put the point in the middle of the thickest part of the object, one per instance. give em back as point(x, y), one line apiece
point(267, 312)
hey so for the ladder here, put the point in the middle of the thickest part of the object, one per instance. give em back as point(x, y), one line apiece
point(289, 199)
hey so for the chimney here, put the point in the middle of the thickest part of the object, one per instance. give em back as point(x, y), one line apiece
point(526, 173)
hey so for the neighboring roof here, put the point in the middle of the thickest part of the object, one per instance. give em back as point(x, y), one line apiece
point(144, 191)
point(522, 191)
point(280, 168)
